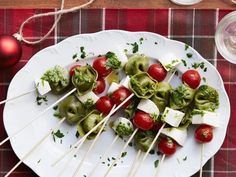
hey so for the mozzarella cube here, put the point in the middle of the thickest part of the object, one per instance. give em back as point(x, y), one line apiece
point(177, 134)
point(169, 61)
point(113, 87)
point(90, 95)
point(172, 117)
point(125, 82)
point(148, 106)
point(126, 126)
point(42, 86)
point(121, 56)
point(208, 118)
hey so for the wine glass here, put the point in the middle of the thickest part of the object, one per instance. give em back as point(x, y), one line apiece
point(225, 37)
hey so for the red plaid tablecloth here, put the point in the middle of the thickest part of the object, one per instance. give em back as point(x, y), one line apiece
point(194, 27)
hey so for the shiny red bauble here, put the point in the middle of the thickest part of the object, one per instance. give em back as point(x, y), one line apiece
point(10, 51)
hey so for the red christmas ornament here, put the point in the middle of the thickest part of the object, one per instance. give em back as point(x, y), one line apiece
point(10, 51)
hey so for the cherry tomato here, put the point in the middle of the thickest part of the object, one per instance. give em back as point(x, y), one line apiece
point(157, 126)
point(104, 104)
point(192, 78)
point(72, 69)
point(157, 72)
point(119, 95)
point(143, 120)
point(167, 146)
point(99, 65)
point(100, 86)
point(204, 133)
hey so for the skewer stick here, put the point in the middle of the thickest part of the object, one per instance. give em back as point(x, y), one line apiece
point(104, 155)
point(94, 128)
point(149, 149)
point(37, 117)
point(91, 146)
point(201, 160)
point(159, 164)
point(134, 163)
point(35, 146)
point(18, 96)
point(120, 154)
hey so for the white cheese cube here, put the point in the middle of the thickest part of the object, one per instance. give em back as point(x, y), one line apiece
point(90, 95)
point(42, 86)
point(123, 126)
point(172, 117)
point(113, 87)
point(125, 82)
point(169, 61)
point(177, 134)
point(121, 56)
point(208, 118)
point(148, 106)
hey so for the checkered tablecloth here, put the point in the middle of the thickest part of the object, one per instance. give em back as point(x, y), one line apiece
point(194, 27)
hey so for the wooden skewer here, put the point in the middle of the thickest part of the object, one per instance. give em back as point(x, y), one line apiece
point(90, 147)
point(120, 154)
point(18, 96)
point(104, 154)
point(134, 163)
point(159, 164)
point(37, 117)
point(201, 160)
point(149, 149)
point(35, 146)
point(94, 128)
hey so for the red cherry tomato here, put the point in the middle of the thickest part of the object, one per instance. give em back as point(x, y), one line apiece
point(167, 146)
point(99, 65)
point(104, 104)
point(100, 86)
point(72, 69)
point(119, 95)
point(192, 78)
point(143, 120)
point(204, 133)
point(157, 72)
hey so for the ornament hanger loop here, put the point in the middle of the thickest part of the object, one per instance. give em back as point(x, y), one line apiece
point(20, 36)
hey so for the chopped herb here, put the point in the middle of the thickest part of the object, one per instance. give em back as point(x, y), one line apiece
point(189, 55)
point(108, 164)
point(85, 175)
point(130, 144)
point(75, 156)
point(155, 43)
point(55, 107)
point(113, 61)
point(152, 152)
point(113, 158)
point(125, 50)
point(135, 47)
point(108, 159)
point(184, 62)
point(197, 65)
point(41, 99)
point(186, 47)
point(57, 114)
point(115, 164)
point(53, 137)
point(75, 56)
point(58, 134)
point(83, 53)
point(77, 135)
point(141, 40)
point(185, 158)
point(158, 153)
point(123, 154)
point(204, 79)
point(156, 162)
point(39, 161)
point(61, 141)
point(205, 69)
point(103, 162)
point(176, 73)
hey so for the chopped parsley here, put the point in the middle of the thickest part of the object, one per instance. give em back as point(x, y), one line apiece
point(83, 53)
point(186, 47)
point(113, 61)
point(204, 79)
point(152, 152)
point(135, 47)
point(185, 158)
point(184, 62)
point(189, 55)
point(41, 99)
point(75, 56)
point(155, 43)
point(130, 144)
point(154, 116)
point(156, 162)
point(197, 65)
point(123, 154)
point(57, 134)
point(39, 161)
point(141, 40)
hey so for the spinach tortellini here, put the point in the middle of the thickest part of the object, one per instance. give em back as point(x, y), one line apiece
point(161, 95)
point(131, 108)
point(181, 97)
point(84, 79)
point(58, 79)
point(88, 123)
point(72, 109)
point(142, 85)
point(206, 98)
point(143, 140)
point(136, 64)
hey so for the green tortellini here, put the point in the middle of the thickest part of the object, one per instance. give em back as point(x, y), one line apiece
point(58, 79)
point(142, 85)
point(143, 140)
point(181, 97)
point(136, 64)
point(206, 98)
point(88, 123)
point(84, 79)
point(131, 108)
point(162, 95)
point(72, 109)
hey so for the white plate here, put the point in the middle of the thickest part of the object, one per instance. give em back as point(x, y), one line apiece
point(21, 111)
point(185, 2)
